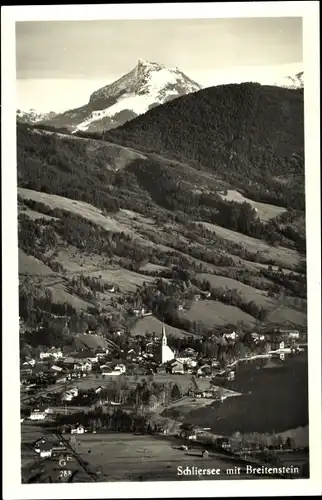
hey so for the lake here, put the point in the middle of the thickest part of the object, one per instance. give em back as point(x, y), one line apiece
point(274, 398)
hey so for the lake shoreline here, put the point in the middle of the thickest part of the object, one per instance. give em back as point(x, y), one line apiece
point(269, 397)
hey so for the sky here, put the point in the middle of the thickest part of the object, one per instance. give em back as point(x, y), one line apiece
point(59, 63)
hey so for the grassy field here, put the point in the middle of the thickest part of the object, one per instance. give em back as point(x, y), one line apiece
point(214, 313)
point(31, 265)
point(33, 214)
point(76, 262)
point(125, 457)
point(60, 295)
point(184, 381)
point(91, 341)
point(284, 257)
point(286, 315)
point(151, 324)
point(153, 267)
point(249, 293)
point(124, 221)
point(265, 211)
point(79, 208)
point(128, 281)
point(126, 215)
point(117, 157)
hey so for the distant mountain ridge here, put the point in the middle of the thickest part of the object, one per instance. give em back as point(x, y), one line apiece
point(147, 85)
point(292, 82)
point(32, 116)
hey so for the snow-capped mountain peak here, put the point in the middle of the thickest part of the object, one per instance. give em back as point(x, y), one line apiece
point(32, 116)
point(292, 82)
point(147, 85)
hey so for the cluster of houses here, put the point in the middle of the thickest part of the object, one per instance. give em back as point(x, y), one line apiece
point(53, 365)
point(53, 446)
point(70, 394)
point(141, 312)
point(40, 413)
point(209, 394)
point(47, 447)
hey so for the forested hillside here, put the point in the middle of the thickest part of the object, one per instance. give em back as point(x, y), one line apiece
point(156, 209)
point(67, 166)
point(250, 135)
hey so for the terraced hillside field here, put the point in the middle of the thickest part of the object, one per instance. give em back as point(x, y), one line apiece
point(283, 257)
point(215, 313)
point(76, 262)
point(248, 293)
point(109, 209)
point(153, 325)
point(265, 211)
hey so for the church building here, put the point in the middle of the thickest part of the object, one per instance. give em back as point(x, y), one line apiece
point(166, 353)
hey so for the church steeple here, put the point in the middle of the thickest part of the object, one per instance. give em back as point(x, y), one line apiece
point(166, 352)
point(164, 337)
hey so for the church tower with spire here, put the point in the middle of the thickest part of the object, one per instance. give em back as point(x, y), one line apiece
point(166, 352)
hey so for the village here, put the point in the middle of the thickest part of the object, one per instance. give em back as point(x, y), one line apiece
point(58, 367)
point(95, 388)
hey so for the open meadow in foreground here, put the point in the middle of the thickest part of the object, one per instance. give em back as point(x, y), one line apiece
point(126, 457)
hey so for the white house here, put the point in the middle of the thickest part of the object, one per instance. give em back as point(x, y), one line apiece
point(56, 368)
point(86, 366)
point(208, 394)
point(192, 363)
point(67, 396)
point(146, 313)
point(80, 429)
point(87, 357)
point(205, 369)
point(177, 366)
point(37, 415)
point(117, 370)
point(294, 335)
point(102, 353)
point(120, 367)
point(29, 362)
point(44, 449)
point(52, 352)
point(105, 368)
point(189, 352)
point(231, 336)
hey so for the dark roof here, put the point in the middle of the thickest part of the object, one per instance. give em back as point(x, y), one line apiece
point(84, 354)
point(44, 446)
point(187, 426)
